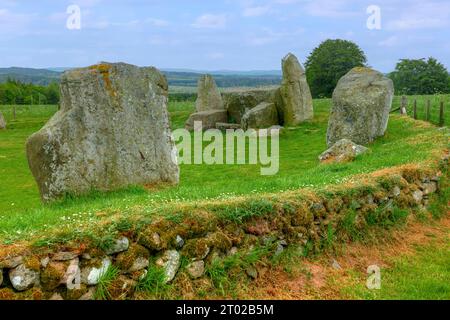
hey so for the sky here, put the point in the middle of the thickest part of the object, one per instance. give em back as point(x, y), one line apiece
point(217, 34)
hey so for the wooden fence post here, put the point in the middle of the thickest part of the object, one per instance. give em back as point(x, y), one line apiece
point(415, 109)
point(441, 114)
point(14, 112)
point(428, 110)
point(403, 105)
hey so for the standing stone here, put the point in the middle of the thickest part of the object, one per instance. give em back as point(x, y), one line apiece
point(112, 131)
point(2, 122)
point(361, 104)
point(295, 105)
point(208, 95)
point(263, 115)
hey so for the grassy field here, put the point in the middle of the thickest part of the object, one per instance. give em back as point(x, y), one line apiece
point(413, 259)
point(421, 107)
point(22, 214)
point(423, 275)
point(416, 268)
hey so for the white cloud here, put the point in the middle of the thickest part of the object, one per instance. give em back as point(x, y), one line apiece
point(329, 8)
point(422, 15)
point(211, 21)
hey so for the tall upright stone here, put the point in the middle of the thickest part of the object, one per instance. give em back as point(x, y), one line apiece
point(112, 131)
point(208, 95)
point(2, 122)
point(362, 101)
point(295, 105)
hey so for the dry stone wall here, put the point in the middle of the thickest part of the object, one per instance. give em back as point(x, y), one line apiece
point(203, 236)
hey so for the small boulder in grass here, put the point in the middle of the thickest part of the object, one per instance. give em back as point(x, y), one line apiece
point(342, 151)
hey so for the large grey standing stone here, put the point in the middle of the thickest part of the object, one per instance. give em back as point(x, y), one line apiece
point(295, 105)
point(112, 131)
point(361, 104)
point(2, 122)
point(238, 103)
point(263, 115)
point(208, 95)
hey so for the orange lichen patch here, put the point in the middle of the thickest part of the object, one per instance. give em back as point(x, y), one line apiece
point(32, 263)
point(7, 294)
point(105, 70)
point(362, 69)
point(9, 251)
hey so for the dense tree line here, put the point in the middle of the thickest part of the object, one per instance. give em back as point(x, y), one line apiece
point(332, 59)
point(16, 92)
point(420, 76)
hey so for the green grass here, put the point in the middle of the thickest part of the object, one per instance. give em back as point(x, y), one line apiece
point(422, 275)
point(102, 291)
point(421, 107)
point(22, 215)
point(154, 282)
point(226, 273)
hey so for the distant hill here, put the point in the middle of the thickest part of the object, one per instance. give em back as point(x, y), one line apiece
point(228, 72)
point(224, 79)
point(175, 77)
point(29, 75)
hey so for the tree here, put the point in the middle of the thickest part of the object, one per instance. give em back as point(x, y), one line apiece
point(16, 92)
point(420, 76)
point(52, 93)
point(331, 60)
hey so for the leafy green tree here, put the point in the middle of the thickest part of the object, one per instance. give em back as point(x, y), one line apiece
point(16, 92)
point(420, 76)
point(331, 60)
point(52, 93)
